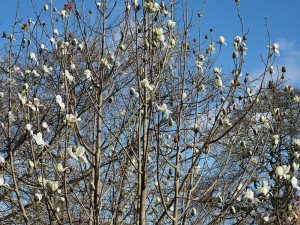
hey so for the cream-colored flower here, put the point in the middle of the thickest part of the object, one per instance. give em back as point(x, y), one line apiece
point(60, 168)
point(79, 154)
point(39, 139)
point(211, 49)
point(55, 32)
point(282, 172)
point(171, 24)
point(2, 160)
point(294, 182)
point(87, 73)
point(68, 76)
point(296, 142)
point(38, 197)
point(265, 188)
point(222, 40)
point(71, 118)
point(297, 99)
point(145, 83)
point(275, 48)
point(249, 195)
point(45, 69)
point(52, 185)
point(33, 57)
point(22, 98)
point(31, 164)
point(164, 109)
point(59, 101)
point(275, 139)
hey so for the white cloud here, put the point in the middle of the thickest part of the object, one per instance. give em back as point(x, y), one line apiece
point(290, 58)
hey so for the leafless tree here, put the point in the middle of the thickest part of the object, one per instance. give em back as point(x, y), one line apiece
point(117, 112)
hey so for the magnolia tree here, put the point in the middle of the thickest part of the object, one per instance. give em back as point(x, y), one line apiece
point(118, 113)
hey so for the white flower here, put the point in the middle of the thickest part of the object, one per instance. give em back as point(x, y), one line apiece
point(297, 142)
point(11, 116)
point(159, 33)
point(2, 160)
point(45, 69)
point(2, 181)
point(68, 76)
point(265, 188)
point(98, 4)
point(151, 7)
point(30, 105)
point(227, 122)
point(31, 164)
point(38, 197)
point(297, 99)
point(128, 6)
point(87, 73)
point(237, 39)
point(201, 87)
point(52, 40)
point(105, 63)
point(199, 64)
point(81, 46)
point(158, 199)
point(222, 40)
point(45, 126)
point(60, 168)
point(218, 81)
point(275, 139)
point(135, 3)
point(216, 70)
point(249, 195)
point(248, 91)
point(29, 128)
point(71, 118)
point(163, 108)
point(55, 32)
point(39, 139)
point(58, 100)
point(134, 92)
point(275, 48)
point(266, 218)
point(295, 166)
point(262, 119)
point(37, 102)
point(42, 181)
point(52, 185)
point(145, 83)
point(35, 73)
point(72, 66)
point(78, 154)
point(22, 98)
point(294, 183)
point(42, 47)
point(63, 13)
point(211, 49)
point(171, 24)
point(33, 57)
point(282, 172)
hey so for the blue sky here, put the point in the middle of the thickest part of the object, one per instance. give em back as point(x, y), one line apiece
point(222, 17)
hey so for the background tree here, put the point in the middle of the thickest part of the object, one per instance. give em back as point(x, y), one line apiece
point(119, 114)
